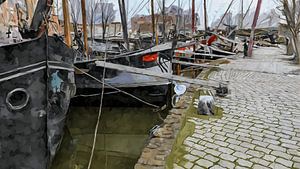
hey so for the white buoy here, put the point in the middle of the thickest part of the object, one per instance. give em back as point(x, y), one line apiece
point(179, 89)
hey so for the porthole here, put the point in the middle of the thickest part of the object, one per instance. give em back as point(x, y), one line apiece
point(17, 99)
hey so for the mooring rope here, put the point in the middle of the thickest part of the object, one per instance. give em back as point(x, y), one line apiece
point(101, 104)
point(100, 111)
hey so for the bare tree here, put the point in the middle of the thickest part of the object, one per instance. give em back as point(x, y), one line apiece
point(92, 10)
point(107, 15)
point(291, 11)
point(99, 11)
point(75, 10)
point(75, 14)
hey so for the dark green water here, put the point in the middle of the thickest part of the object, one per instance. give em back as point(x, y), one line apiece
point(122, 135)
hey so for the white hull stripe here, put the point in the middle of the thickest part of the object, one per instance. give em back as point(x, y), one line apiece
point(24, 67)
point(22, 74)
point(34, 70)
point(35, 65)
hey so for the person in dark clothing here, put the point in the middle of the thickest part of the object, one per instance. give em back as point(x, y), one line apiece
point(271, 37)
point(245, 49)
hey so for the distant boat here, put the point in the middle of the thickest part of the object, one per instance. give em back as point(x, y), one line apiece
point(152, 89)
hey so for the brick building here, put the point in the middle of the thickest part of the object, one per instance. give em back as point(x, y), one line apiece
point(143, 23)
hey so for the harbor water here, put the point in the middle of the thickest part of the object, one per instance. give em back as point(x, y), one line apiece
point(122, 134)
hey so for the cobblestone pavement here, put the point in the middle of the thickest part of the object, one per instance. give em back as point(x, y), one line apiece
point(260, 127)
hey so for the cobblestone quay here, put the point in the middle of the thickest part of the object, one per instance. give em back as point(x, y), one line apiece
point(260, 127)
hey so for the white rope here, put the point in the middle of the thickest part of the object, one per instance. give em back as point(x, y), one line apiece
point(100, 112)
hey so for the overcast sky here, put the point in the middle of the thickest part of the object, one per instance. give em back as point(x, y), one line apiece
point(215, 8)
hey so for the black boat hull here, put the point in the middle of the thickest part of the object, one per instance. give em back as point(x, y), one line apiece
point(36, 85)
point(157, 95)
point(150, 89)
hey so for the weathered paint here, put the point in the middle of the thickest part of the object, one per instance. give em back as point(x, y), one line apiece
point(56, 82)
point(30, 137)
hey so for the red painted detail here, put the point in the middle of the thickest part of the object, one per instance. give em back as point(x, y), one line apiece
point(181, 49)
point(150, 57)
point(211, 39)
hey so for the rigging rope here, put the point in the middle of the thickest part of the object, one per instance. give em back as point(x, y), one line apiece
point(140, 9)
point(131, 10)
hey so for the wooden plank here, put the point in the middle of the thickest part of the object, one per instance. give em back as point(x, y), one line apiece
point(221, 51)
point(203, 54)
point(205, 83)
point(218, 50)
point(186, 58)
point(226, 39)
point(193, 64)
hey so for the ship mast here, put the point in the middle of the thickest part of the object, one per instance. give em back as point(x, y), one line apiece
point(250, 49)
point(124, 22)
point(37, 26)
point(193, 16)
point(30, 6)
point(153, 19)
point(205, 15)
point(84, 27)
point(66, 22)
point(242, 14)
point(164, 20)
